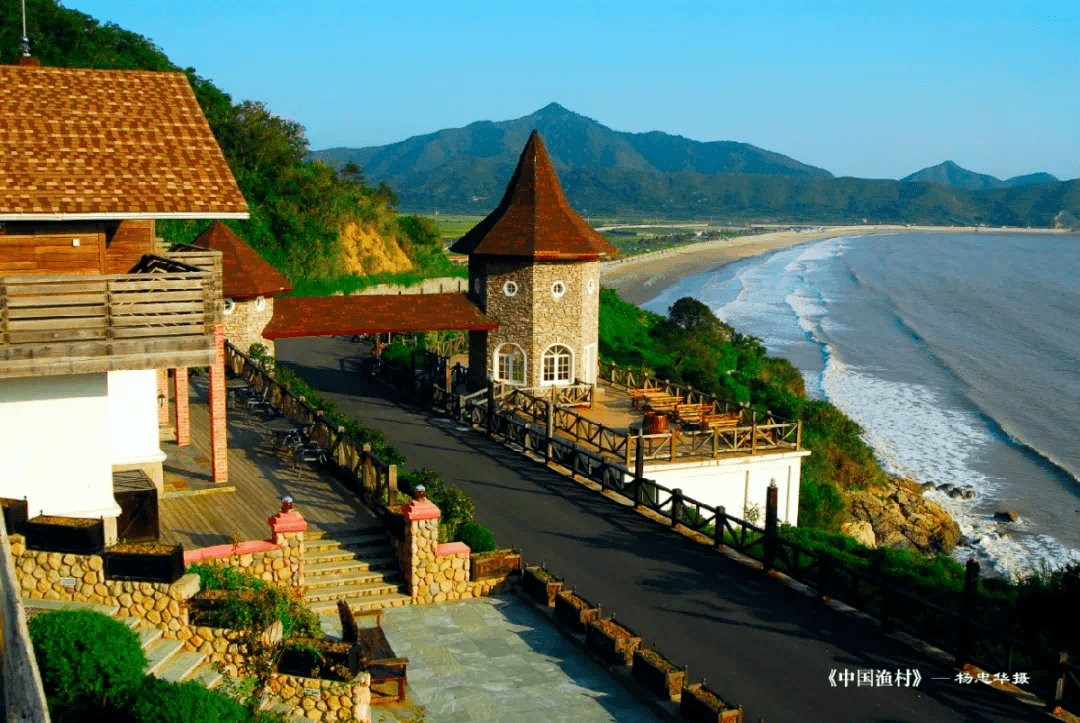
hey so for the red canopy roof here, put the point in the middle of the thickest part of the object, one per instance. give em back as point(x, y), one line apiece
point(333, 315)
point(245, 274)
point(534, 219)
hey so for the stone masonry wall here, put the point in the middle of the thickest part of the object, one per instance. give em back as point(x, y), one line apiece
point(161, 605)
point(245, 325)
point(335, 701)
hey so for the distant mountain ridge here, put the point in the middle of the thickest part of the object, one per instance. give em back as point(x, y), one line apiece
point(950, 174)
point(611, 173)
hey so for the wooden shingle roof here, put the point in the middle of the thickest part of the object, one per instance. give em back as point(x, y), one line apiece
point(333, 315)
point(108, 144)
point(533, 219)
point(244, 274)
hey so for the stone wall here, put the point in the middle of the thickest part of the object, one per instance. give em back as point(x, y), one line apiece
point(535, 318)
point(438, 573)
point(335, 701)
point(442, 285)
point(44, 575)
point(244, 326)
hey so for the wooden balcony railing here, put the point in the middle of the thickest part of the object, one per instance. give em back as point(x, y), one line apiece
point(159, 315)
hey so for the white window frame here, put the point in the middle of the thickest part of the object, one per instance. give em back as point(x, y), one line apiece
point(589, 366)
point(592, 285)
point(497, 371)
point(555, 289)
point(510, 287)
point(555, 358)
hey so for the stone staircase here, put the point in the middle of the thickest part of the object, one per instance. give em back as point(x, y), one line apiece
point(167, 660)
point(358, 566)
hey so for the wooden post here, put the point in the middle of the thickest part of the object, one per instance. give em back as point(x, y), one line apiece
point(391, 484)
point(639, 454)
point(719, 526)
point(673, 438)
point(549, 432)
point(490, 406)
point(824, 573)
point(639, 492)
point(771, 532)
point(1056, 692)
point(798, 434)
point(967, 612)
point(676, 506)
point(367, 469)
point(753, 432)
point(341, 453)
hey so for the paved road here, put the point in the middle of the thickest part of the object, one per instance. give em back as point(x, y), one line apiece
point(758, 643)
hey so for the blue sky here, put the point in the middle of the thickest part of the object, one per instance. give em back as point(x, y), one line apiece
point(875, 90)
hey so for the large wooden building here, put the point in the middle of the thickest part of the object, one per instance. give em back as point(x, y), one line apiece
point(91, 312)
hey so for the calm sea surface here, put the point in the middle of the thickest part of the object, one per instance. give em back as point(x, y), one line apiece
point(959, 354)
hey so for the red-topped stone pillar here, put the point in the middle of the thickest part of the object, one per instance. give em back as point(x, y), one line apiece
point(421, 539)
point(219, 439)
point(183, 411)
point(287, 530)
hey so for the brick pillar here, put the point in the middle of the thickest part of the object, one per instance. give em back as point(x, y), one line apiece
point(219, 445)
point(287, 529)
point(183, 412)
point(163, 391)
point(421, 539)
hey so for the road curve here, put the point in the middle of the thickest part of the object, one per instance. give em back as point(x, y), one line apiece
point(758, 643)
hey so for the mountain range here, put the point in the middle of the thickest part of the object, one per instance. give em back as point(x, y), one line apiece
point(608, 172)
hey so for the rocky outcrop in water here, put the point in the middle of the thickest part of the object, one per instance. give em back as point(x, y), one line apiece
point(899, 516)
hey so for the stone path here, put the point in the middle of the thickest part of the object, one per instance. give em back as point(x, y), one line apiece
point(495, 659)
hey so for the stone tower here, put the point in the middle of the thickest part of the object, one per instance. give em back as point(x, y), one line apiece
point(534, 266)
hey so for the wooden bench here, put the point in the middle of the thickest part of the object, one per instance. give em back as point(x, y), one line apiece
point(376, 655)
point(691, 413)
point(720, 421)
point(637, 396)
point(662, 403)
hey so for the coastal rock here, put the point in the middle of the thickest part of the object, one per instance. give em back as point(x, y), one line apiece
point(862, 531)
point(900, 516)
point(1006, 516)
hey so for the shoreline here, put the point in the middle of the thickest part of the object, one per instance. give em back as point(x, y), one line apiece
point(640, 278)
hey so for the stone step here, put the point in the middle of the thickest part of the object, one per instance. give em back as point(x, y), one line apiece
point(313, 535)
point(350, 591)
point(329, 567)
point(49, 605)
point(206, 676)
point(347, 577)
point(367, 602)
point(373, 537)
point(180, 666)
point(147, 636)
point(374, 556)
point(131, 622)
point(159, 653)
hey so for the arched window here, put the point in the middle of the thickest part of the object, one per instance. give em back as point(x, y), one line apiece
point(510, 364)
point(558, 365)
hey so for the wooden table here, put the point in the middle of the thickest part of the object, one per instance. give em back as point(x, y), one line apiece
point(282, 429)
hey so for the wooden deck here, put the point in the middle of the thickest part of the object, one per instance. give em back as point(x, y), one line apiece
point(197, 513)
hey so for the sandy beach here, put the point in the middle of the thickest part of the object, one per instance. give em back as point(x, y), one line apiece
point(640, 278)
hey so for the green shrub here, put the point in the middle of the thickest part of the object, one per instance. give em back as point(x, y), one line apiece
point(158, 701)
point(87, 661)
point(456, 507)
point(218, 577)
point(476, 536)
point(256, 604)
point(430, 478)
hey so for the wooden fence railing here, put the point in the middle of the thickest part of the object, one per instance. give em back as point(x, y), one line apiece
point(162, 313)
point(352, 462)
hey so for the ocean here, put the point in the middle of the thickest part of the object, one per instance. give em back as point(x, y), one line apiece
point(959, 356)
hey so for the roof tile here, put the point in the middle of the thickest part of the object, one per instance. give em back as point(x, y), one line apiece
point(334, 315)
point(244, 273)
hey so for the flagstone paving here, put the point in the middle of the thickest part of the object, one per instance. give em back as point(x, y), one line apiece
point(495, 659)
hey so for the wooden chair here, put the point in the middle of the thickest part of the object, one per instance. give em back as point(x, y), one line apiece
point(377, 656)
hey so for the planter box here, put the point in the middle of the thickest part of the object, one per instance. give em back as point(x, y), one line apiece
point(315, 658)
point(202, 607)
point(575, 611)
point(149, 562)
point(541, 585)
point(76, 535)
point(492, 565)
point(612, 641)
point(14, 515)
point(701, 705)
point(658, 675)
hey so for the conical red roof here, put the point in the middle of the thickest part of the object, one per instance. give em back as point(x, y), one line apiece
point(533, 219)
point(245, 274)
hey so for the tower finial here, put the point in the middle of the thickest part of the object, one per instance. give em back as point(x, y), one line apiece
point(25, 40)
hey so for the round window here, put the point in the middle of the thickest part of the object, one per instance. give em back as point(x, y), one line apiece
point(558, 289)
point(260, 303)
point(230, 306)
point(476, 285)
point(592, 285)
point(510, 288)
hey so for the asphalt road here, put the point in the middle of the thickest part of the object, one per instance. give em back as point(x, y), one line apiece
point(757, 642)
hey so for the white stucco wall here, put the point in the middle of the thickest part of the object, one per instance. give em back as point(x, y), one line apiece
point(54, 444)
point(738, 482)
point(133, 417)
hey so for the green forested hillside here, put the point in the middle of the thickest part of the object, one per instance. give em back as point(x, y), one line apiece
point(297, 207)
